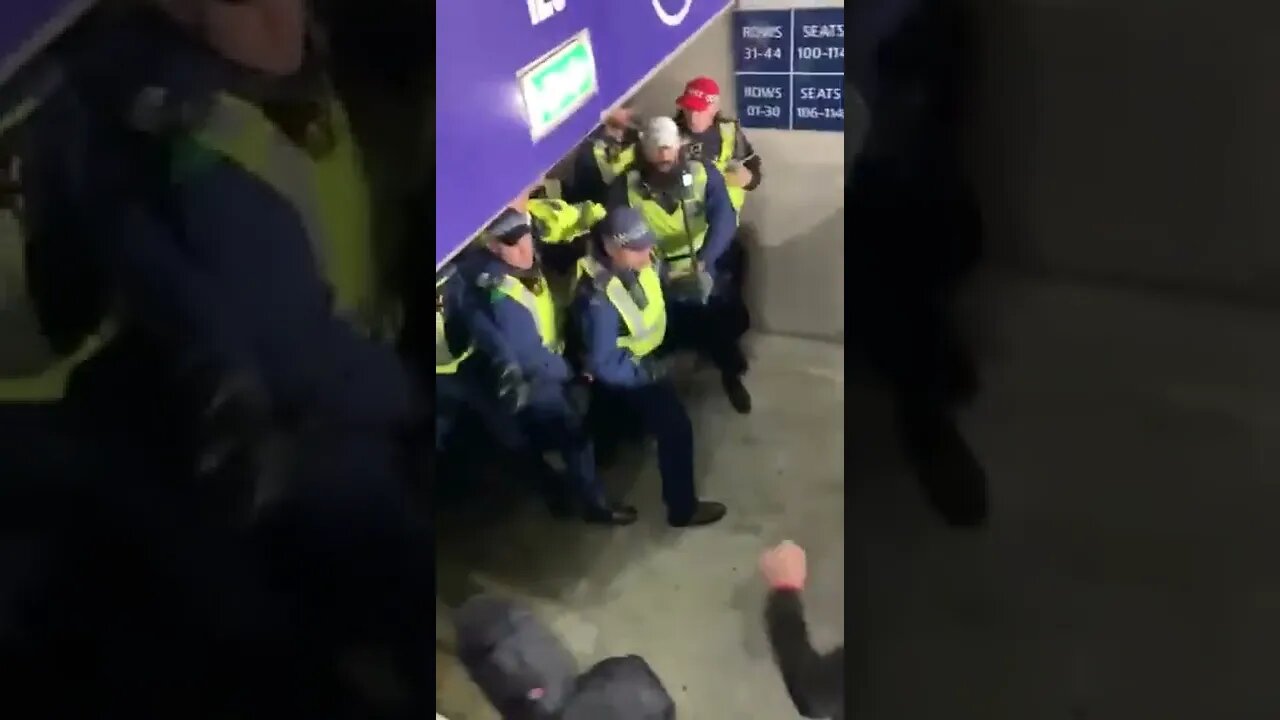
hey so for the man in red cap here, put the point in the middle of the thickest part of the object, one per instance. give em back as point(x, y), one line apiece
point(718, 141)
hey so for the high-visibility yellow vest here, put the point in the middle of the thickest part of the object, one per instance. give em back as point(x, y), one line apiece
point(49, 382)
point(559, 222)
point(728, 144)
point(680, 233)
point(446, 362)
point(611, 159)
point(540, 304)
point(329, 193)
point(645, 317)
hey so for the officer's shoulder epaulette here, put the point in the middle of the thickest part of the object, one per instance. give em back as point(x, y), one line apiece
point(158, 110)
point(170, 117)
point(592, 294)
point(492, 285)
point(588, 286)
point(592, 287)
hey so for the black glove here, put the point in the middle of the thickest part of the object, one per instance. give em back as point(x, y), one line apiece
point(513, 389)
point(233, 429)
point(654, 368)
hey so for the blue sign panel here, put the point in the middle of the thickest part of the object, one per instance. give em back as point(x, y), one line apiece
point(818, 102)
point(789, 69)
point(764, 101)
point(819, 41)
point(762, 41)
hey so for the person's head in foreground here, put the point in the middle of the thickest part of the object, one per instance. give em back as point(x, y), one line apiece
point(527, 674)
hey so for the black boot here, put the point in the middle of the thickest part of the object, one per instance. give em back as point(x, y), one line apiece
point(948, 471)
point(704, 513)
point(739, 397)
point(608, 513)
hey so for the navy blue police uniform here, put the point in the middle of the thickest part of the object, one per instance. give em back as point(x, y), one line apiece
point(622, 320)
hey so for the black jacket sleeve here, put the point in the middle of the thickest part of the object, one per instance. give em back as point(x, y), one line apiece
point(586, 184)
point(616, 196)
point(815, 682)
point(743, 149)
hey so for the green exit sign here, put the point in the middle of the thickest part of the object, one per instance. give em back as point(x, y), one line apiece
point(554, 87)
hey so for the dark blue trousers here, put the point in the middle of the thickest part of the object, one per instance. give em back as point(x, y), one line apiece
point(466, 393)
point(715, 330)
point(550, 422)
point(347, 543)
point(660, 412)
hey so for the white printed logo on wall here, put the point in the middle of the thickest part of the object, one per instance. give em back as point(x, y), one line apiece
point(542, 10)
point(672, 19)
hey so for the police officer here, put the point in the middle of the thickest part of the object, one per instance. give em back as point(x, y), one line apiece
point(477, 377)
point(915, 234)
point(623, 321)
point(246, 250)
point(461, 327)
point(719, 140)
point(531, 325)
point(605, 155)
point(687, 207)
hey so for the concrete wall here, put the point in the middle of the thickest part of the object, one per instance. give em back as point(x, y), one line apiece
point(796, 282)
point(1132, 142)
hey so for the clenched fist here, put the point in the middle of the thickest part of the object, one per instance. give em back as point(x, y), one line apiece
point(784, 566)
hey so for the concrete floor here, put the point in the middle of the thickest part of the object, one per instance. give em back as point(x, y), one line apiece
point(1128, 571)
point(689, 601)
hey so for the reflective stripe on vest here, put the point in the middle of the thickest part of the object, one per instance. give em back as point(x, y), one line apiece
point(42, 378)
point(647, 326)
point(446, 362)
point(610, 169)
point(681, 233)
point(51, 382)
point(541, 305)
point(728, 143)
point(329, 195)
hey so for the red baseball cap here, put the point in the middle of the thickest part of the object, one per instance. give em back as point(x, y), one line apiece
point(699, 94)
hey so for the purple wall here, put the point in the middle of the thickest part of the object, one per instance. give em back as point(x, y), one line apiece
point(21, 20)
point(484, 154)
